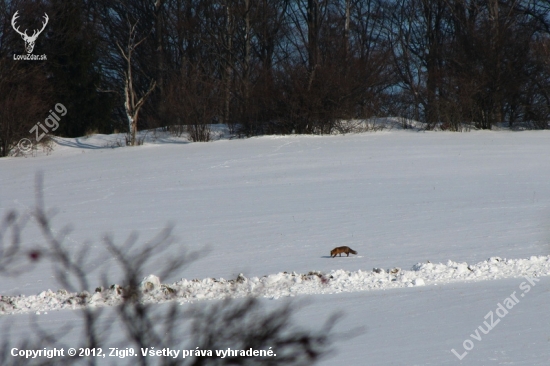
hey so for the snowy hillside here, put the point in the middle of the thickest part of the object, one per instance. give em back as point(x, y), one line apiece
point(429, 206)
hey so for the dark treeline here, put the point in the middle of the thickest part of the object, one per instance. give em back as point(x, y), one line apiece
point(274, 66)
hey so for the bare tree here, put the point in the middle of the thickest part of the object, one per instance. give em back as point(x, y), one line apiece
point(133, 102)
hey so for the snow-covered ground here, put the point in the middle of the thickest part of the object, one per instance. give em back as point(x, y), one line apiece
point(269, 205)
point(284, 284)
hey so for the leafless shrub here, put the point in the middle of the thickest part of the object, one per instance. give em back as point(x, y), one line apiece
point(139, 139)
point(199, 132)
point(245, 324)
point(177, 130)
point(192, 103)
point(12, 256)
point(47, 144)
point(119, 142)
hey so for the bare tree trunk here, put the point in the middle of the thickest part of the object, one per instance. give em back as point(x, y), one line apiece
point(496, 107)
point(132, 104)
point(313, 33)
point(228, 66)
point(159, 29)
point(346, 29)
point(246, 66)
point(433, 18)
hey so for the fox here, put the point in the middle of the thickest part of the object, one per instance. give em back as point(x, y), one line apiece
point(341, 250)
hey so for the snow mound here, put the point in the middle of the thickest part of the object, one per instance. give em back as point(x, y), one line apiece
point(150, 283)
point(282, 284)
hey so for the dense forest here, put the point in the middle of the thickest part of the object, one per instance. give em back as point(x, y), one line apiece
point(272, 66)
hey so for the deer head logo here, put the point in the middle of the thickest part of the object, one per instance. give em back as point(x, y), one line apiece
point(29, 40)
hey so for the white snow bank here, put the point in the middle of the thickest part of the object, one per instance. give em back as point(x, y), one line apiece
point(283, 284)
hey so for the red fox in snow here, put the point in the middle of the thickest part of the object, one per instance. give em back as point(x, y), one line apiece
point(341, 250)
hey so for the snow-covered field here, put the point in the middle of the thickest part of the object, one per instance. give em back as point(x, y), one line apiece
point(475, 205)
